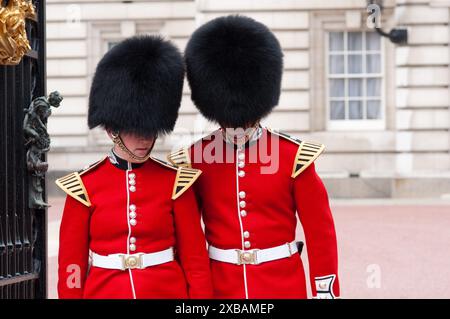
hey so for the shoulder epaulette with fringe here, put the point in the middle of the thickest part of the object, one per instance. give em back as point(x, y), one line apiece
point(306, 154)
point(180, 158)
point(73, 186)
point(184, 179)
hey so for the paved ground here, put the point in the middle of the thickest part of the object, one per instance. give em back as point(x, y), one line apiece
point(387, 249)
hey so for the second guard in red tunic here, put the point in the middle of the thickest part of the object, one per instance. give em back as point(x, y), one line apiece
point(255, 180)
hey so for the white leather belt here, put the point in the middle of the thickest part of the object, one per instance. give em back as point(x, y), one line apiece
point(132, 261)
point(253, 256)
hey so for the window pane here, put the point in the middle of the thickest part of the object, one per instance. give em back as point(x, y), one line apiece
point(373, 110)
point(337, 110)
point(355, 110)
point(336, 41)
point(355, 87)
point(354, 41)
point(336, 64)
point(355, 63)
point(373, 63)
point(373, 87)
point(337, 87)
point(372, 41)
point(355, 81)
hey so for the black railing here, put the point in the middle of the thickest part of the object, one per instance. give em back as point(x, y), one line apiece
point(23, 230)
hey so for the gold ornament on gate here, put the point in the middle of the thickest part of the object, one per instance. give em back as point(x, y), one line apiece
point(13, 37)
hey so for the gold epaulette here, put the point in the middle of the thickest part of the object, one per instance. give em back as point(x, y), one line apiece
point(180, 158)
point(73, 186)
point(306, 154)
point(185, 178)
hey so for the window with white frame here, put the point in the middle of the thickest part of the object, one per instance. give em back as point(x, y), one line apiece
point(355, 80)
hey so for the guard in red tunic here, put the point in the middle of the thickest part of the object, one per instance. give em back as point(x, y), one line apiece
point(131, 225)
point(255, 180)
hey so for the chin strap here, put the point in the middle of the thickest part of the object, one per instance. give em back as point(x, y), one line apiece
point(139, 159)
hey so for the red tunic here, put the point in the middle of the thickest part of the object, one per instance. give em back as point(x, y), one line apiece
point(104, 228)
point(267, 218)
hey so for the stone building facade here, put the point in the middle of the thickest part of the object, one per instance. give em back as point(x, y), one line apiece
point(381, 109)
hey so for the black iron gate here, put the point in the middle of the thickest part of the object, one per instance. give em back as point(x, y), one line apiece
point(22, 229)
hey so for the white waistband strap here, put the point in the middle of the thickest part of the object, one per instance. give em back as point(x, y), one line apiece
point(132, 261)
point(253, 256)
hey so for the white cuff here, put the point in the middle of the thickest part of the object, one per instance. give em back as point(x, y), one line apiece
point(324, 287)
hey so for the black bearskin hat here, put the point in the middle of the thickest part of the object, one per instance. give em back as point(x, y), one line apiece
point(137, 87)
point(234, 68)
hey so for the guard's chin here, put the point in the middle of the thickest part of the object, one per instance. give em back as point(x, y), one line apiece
point(141, 152)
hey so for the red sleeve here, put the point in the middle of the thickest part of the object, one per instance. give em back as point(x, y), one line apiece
point(315, 216)
point(73, 249)
point(191, 246)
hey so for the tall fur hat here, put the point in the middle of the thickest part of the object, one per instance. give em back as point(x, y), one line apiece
point(234, 69)
point(137, 87)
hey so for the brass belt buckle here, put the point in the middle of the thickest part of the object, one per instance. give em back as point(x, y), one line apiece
point(131, 261)
point(247, 257)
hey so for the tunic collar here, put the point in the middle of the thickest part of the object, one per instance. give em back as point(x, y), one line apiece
point(121, 163)
point(253, 139)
